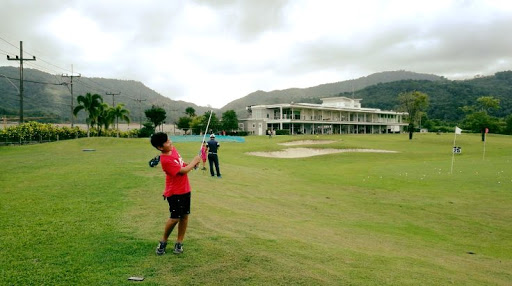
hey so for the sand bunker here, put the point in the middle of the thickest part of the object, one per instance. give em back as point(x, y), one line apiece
point(307, 142)
point(309, 152)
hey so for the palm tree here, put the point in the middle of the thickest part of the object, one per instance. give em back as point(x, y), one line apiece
point(105, 117)
point(90, 103)
point(119, 112)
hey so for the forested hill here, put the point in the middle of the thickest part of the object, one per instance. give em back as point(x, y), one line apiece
point(44, 96)
point(445, 97)
point(313, 94)
point(381, 91)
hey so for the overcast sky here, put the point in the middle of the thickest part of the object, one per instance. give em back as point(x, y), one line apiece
point(212, 52)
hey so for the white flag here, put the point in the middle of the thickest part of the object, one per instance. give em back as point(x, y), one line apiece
point(458, 130)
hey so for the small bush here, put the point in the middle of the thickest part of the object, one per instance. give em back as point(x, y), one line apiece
point(147, 130)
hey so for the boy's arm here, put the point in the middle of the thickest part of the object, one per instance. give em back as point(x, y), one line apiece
point(191, 165)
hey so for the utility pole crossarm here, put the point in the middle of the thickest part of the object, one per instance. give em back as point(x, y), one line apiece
point(113, 94)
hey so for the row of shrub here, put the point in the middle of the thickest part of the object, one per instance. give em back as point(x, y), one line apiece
point(35, 131)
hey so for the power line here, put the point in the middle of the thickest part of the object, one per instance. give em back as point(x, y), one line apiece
point(41, 68)
point(8, 42)
point(61, 68)
point(33, 81)
point(94, 89)
point(139, 100)
point(4, 52)
point(39, 58)
point(98, 85)
point(21, 59)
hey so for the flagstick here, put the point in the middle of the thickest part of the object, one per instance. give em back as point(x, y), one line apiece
point(453, 153)
point(485, 141)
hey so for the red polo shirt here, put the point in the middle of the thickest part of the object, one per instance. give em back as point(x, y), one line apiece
point(175, 183)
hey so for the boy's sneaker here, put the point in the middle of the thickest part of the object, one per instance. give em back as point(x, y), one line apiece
point(204, 169)
point(178, 248)
point(161, 248)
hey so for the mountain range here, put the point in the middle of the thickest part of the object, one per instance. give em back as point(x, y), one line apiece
point(48, 96)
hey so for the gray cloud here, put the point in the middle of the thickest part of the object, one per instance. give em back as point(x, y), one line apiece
point(257, 44)
point(443, 47)
point(249, 19)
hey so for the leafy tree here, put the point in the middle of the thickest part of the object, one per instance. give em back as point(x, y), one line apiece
point(479, 121)
point(508, 125)
point(487, 103)
point(197, 125)
point(184, 123)
point(229, 120)
point(214, 122)
point(477, 116)
point(119, 112)
point(414, 103)
point(191, 112)
point(90, 103)
point(156, 115)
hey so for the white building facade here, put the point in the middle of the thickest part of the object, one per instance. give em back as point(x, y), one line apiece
point(336, 115)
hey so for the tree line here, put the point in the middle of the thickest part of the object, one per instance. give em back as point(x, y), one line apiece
point(192, 123)
point(477, 117)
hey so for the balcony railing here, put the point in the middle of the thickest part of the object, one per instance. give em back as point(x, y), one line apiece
point(337, 119)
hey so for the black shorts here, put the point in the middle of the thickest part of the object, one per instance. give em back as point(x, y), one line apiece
point(179, 205)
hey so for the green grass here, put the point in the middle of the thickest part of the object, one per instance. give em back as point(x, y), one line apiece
point(70, 217)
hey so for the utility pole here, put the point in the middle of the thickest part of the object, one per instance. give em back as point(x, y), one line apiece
point(174, 124)
point(113, 93)
point(140, 110)
point(21, 59)
point(71, 83)
point(113, 106)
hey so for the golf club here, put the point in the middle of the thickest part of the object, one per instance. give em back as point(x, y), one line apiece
point(204, 136)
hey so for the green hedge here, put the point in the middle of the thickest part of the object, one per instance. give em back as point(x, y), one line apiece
point(44, 132)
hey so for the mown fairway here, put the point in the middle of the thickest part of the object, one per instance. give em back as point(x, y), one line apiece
point(70, 217)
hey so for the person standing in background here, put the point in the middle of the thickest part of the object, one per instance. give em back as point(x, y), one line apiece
point(213, 159)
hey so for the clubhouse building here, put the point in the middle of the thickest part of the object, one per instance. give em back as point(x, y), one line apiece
point(336, 115)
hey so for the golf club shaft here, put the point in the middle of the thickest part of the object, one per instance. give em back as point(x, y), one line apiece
point(204, 136)
point(205, 131)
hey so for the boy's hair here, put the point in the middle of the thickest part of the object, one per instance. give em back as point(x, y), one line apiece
point(158, 139)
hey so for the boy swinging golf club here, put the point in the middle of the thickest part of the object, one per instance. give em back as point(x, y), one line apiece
point(177, 187)
point(177, 190)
